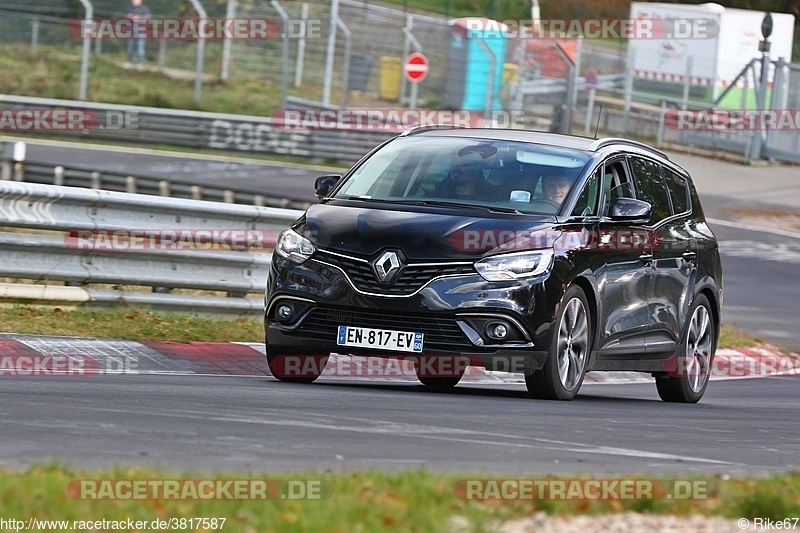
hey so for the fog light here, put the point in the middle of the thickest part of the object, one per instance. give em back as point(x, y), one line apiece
point(284, 312)
point(497, 330)
point(500, 331)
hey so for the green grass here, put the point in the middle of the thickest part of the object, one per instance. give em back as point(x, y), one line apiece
point(139, 324)
point(369, 501)
point(130, 324)
point(51, 72)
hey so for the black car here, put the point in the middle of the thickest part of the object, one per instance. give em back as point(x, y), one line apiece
point(545, 254)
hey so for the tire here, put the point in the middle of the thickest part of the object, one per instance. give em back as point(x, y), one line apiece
point(444, 375)
point(296, 368)
point(687, 382)
point(562, 374)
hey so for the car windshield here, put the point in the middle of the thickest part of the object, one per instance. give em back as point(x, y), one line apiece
point(493, 174)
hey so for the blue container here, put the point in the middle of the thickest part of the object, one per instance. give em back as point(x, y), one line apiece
point(469, 65)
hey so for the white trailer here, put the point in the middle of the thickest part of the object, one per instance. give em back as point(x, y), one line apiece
point(708, 43)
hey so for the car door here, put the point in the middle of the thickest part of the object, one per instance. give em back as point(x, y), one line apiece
point(673, 252)
point(621, 265)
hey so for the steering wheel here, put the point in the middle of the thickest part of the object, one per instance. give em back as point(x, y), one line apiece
point(545, 205)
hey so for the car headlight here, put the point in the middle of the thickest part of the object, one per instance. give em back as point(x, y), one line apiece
point(293, 246)
point(515, 266)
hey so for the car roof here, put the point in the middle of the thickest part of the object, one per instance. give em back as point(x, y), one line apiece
point(551, 139)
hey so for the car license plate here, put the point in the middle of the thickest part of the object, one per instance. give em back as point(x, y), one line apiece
point(382, 339)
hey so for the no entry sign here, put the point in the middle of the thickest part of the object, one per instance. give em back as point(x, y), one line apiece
point(415, 68)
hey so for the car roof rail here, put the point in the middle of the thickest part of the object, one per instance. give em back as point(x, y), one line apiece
point(608, 141)
point(422, 128)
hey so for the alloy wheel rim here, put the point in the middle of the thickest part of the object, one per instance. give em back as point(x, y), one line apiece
point(698, 349)
point(573, 344)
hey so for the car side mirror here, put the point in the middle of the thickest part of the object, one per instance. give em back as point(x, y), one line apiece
point(325, 184)
point(630, 210)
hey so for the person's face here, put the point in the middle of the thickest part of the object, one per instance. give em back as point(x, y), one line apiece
point(555, 189)
point(136, 2)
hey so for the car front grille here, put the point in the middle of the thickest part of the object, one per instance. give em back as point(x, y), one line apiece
point(411, 278)
point(439, 331)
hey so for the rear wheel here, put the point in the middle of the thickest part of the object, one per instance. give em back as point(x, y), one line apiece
point(687, 383)
point(440, 372)
point(295, 368)
point(562, 374)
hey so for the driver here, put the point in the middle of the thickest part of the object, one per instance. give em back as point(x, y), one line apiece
point(466, 182)
point(555, 187)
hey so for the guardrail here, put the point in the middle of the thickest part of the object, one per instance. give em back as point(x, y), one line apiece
point(88, 237)
point(196, 129)
point(72, 176)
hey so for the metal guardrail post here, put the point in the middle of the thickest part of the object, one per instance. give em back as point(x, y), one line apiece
point(163, 188)
point(201, 48)
point(58, 176)
point(87, 43)
point(227, 43)
point(284, 51)
point(130, 185)
point(329, 54)
point(95, 183)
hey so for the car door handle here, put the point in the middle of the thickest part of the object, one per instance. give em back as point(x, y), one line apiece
point(689, 256)
point(646, 257)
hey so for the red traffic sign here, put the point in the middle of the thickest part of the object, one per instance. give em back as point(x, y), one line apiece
point(415, 68)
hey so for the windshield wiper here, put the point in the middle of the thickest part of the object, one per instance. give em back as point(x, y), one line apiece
point(492, 208)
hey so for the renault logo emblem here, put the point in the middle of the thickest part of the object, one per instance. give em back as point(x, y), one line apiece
point(387, 266)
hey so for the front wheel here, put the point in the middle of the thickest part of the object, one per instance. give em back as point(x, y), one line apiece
point(562, 374)
point(687, 382)
point(296, 368)
point(441, 372)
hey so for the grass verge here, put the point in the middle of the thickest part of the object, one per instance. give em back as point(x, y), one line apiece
point(129, 324)
point(138, 324)
point(375, 501)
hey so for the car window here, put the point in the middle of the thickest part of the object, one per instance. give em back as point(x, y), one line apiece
point(678, 191)
point(616, 183)
point(586, 205)
point(525, 177)
point(650, 188)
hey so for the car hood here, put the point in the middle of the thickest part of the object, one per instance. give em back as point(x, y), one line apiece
point(421, 233)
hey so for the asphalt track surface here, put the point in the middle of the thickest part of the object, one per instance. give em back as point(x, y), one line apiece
point(746, 426)
point(762, 296)
point(211, 423)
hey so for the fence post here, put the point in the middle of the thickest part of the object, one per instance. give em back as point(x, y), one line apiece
point(95, 180)
point(197, 192)
point(329, 54)
point(34, 33)
point(661, 119)
point(130, 185)
point(87, 42)
point(348, 41)
point(284, 51)
point(761, 96)
point(687, 83)
point(228, 197)
point(162, 52)
point(163, 188)
point(629, 88)
point(226, 44)
point(407, 31)
point(201, 48)
point(572, 97)
point(301, 47)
